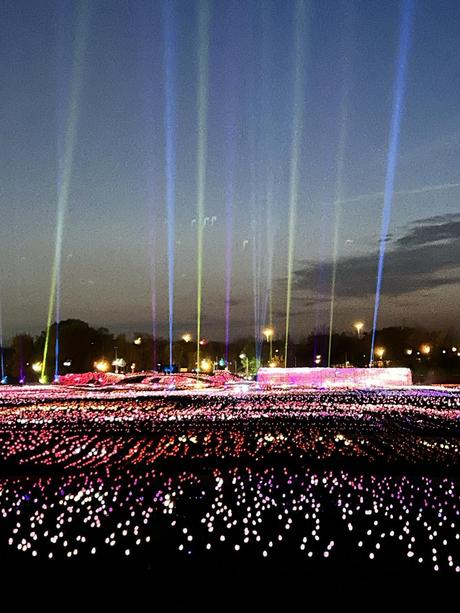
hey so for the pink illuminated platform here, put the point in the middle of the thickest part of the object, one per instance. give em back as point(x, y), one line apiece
point(335, 377)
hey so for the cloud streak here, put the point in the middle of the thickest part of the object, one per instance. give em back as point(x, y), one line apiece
point(426, 257)
point(425, 189)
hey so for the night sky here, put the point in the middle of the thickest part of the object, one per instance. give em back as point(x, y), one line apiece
point(90, 93)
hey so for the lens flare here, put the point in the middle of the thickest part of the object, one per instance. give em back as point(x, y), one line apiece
point(297, 129)
point(398, 101)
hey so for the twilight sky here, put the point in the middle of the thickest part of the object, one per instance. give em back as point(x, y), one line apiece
point(93, 92)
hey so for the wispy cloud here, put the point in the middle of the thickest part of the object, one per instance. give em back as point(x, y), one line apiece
point(425, 189)
point(425, 257)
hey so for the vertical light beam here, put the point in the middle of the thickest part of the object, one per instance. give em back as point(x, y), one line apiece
point(2, 359)
point(202, 103)
point(398, 101)
point(338, 197)
point(169, 67)
point(297, 128)
point(229, 197)
point(81, 35)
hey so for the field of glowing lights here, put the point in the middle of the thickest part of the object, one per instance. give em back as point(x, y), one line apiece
point(123, 480)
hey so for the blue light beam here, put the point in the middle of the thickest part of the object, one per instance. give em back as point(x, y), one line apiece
point(398, 101)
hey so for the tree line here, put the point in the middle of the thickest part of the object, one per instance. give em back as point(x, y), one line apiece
point(430, 355)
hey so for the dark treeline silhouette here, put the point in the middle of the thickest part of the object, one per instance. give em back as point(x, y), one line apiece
point(432, 356)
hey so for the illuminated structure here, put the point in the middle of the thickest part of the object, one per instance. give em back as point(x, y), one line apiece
point(335, 377)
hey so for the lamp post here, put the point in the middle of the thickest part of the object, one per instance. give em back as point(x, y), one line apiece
point(425, 349)
point(102, 365)
point(268, 332)
point(379, 352)
point(359, 326)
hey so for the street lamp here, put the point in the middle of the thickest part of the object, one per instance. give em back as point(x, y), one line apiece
point(102, 365)
point(379, 351)
point(138, 340)
point(425, 349)
point(118, 363)
point(206, 365)
point(36, 367)
point(187, 337)
point(359, 326)
point(268, 332)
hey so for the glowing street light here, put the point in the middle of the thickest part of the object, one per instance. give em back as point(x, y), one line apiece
point(268, 333)
point(187, 337)
point(425, 349)
point(409, 351)
point(36, 367)
point(102, 365)
point(379, 352)
point(119, 363)
point(138, 340)
point(359, 325)
point(206, 365)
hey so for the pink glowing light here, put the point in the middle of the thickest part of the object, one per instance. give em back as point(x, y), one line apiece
point(336, 377)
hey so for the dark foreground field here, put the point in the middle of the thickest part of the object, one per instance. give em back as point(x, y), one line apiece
point(349, 500)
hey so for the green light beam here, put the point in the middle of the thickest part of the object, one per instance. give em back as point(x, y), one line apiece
point(203, 50)
point(81, 36)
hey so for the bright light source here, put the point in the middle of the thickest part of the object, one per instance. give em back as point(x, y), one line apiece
point(425, 349)
point(102, 365)
point(409, 351)
point(37, 366)
point(67, 363)
point(187, 337)
point(138, 340)
point(242, 356)
point(206, 365)
point(379, 351)
point(359, 325)
point(268, 332)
